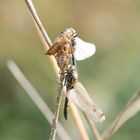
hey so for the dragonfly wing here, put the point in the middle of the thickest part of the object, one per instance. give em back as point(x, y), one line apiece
point(83, 49)
point(81, 98)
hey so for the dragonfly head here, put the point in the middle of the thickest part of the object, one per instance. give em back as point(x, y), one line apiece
point(70, 32)
point(73, 71)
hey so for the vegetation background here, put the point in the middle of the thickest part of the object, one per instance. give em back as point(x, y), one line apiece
point(111, 76)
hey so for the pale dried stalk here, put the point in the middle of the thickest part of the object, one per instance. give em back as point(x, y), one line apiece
point(93, 128)
point(36, 98)
point(132, 107)
point(79, 123)
point(57, 108)
point(48, 41)
point(44, 36)
point(38, 22)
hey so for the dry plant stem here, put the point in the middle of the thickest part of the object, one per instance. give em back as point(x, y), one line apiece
point(42, 33)
point(93, 128)
point(36, 98)
point(132, 107)
point(38, 22)
point(79, 123)
point(44, 37)
point(57, 108)
point(47, 39)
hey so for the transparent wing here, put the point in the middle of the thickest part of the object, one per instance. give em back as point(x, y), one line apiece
point(83, 49)
point(80, 98)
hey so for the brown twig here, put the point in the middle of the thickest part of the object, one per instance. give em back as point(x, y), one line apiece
point(36, 98)
point(47, 43)
point(130, 110)
point(57, 108)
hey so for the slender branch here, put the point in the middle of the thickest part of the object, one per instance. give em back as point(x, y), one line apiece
point(130, 110)
point(36, 98)
point(47, 43)
point(42, 33)
point(57, 108)
point(38, 22)
point(78, 122)
point(93, 128)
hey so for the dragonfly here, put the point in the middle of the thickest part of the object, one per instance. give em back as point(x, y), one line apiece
point(71, 77)
point(78, 95)
point(68, 45)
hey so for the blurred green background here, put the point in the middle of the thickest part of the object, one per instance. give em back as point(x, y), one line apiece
point(111, 76)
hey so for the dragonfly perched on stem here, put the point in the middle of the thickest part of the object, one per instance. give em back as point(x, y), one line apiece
point(70, 79)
